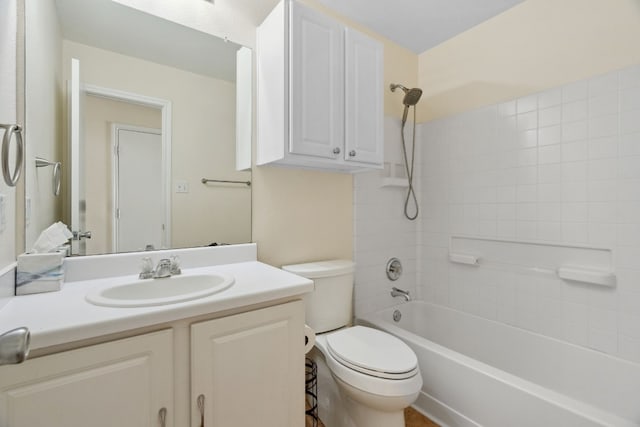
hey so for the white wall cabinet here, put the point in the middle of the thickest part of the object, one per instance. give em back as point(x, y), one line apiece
point(248, 368)
point(320, 92)
point(123, 383)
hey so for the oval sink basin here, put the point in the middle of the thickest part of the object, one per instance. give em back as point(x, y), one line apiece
point(170, 290)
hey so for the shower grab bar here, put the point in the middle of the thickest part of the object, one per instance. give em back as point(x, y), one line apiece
point(57, 172)
point(205, 181)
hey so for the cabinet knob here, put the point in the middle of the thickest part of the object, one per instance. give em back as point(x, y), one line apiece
point(352, 153)
point(336, 150)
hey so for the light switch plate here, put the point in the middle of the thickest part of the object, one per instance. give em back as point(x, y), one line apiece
point(182, 186)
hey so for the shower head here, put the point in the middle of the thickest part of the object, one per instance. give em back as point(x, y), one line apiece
point(411, 98)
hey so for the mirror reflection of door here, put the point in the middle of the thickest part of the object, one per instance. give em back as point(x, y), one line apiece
point(138, 203)
point(112, 179)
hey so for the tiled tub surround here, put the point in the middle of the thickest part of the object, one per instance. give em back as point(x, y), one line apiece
point(559, 167)
point(381, 231)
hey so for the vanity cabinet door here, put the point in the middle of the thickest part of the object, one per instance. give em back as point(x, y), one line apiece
point(122, 383)
point(248, 369)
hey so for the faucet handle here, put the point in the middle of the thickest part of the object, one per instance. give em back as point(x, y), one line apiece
point(175, 265)
point(146, 268)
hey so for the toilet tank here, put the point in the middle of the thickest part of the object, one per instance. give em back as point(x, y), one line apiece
point(329, 306)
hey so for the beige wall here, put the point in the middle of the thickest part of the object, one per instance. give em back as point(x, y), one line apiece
point(301, 215)
point(8, 19)
point(44, 120)
point(536, 45)
point(99, 115)
point(203, 141)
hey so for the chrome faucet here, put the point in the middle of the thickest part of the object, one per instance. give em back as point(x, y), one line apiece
point(166, 267)
point(175, 265)
point(395, 292)
point(163, 269)
point(14, 346)
point(146, 267)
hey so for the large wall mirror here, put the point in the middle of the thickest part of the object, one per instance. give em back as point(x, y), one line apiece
point(126, 115)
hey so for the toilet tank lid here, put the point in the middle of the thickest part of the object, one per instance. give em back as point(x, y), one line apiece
point(315, 270)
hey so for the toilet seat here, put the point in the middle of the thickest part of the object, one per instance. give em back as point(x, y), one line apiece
point(373, 352)
point(369, 381)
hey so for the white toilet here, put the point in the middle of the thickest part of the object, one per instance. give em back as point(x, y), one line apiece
point(366, 377)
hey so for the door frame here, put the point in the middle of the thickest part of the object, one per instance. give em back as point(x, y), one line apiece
point(164, 106)
point(115, 168)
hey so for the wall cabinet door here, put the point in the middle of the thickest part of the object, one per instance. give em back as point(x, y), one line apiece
point(249, 368)
point(317, 83)
point(320, 92)
point(122, 383)
point(364, 85)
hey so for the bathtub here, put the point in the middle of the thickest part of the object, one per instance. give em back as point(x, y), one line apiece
point(478, 372)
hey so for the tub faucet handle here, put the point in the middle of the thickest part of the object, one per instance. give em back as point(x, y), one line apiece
point(396, 292)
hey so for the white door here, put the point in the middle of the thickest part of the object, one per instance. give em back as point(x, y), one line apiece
point(78, 200)
point(364, 88)
point(248, 369)
point(123, 383)
point(316, 106)
point(139, 186)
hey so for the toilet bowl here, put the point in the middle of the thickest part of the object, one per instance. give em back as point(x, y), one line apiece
point(366, 377)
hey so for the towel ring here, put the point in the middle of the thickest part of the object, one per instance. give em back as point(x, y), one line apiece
point(11, 178)
point(57, 173)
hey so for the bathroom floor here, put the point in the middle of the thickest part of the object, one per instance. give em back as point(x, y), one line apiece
point(412, 418)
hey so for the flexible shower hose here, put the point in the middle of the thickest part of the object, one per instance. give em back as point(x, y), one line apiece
point(411, 191)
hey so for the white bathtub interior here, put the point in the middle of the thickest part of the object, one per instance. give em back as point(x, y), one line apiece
point(599, 387)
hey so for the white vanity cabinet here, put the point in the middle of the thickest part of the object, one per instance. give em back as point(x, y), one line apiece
point(124, 383)
point(248, 369)
point(320, 92)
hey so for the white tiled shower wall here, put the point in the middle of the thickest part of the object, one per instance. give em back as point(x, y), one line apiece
point(558, 167)
point(380, 229)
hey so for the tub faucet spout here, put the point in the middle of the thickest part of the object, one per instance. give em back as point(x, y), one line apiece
point(395, 292)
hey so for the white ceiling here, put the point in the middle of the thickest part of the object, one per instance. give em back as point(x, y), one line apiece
point(419, 25)
point(112, 26)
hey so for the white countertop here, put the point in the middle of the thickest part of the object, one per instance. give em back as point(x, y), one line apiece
point(65, 316)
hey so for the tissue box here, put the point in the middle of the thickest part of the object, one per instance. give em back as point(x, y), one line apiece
point(37, 273)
